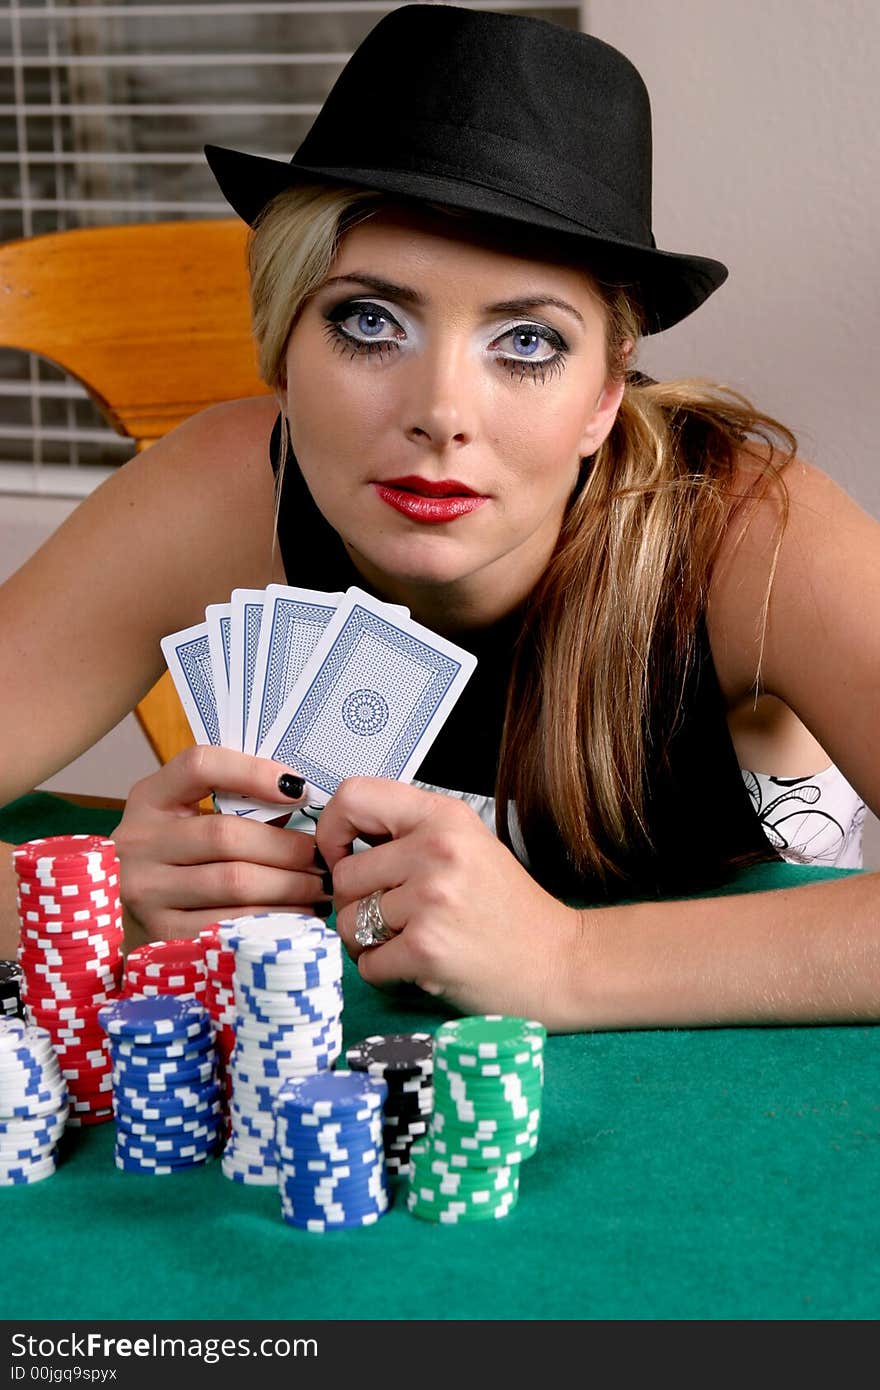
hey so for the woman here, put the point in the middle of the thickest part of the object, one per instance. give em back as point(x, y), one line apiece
point(449, 297)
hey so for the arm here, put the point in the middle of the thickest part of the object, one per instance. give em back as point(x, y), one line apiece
point(796, 955)
point(473, 926)
point(805, 955)
point(173, 530)
point(80, 622)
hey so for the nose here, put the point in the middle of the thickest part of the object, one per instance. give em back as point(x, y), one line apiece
point(440, 409)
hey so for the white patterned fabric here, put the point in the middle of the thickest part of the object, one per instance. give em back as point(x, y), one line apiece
point(810, 820)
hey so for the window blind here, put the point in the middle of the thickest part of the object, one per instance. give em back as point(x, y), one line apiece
point(104, 109)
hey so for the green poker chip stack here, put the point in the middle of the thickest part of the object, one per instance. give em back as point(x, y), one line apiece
point(488, 1080)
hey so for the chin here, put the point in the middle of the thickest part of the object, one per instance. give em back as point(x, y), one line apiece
point(421, 575)
point(417, 559)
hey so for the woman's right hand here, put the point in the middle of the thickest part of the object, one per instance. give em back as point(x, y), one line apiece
point(182, 870)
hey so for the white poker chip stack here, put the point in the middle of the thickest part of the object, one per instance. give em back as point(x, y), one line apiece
point(71, 954)
point(288, 994)
point(33, 1103)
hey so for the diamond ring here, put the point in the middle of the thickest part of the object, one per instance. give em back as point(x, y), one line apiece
point(371, 929)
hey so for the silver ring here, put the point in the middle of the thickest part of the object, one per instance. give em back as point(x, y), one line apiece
point(371, 929)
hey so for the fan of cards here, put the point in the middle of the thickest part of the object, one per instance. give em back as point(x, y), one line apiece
point(333, 685)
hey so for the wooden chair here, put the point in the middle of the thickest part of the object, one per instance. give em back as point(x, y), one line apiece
point(154, 321)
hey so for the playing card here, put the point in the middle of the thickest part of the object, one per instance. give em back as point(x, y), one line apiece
point(188, 657)
point(293, 621)
point(217, 618)
point(371, 699)
point(245, 617)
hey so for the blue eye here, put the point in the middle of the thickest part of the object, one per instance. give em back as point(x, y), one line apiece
point(354, 325)
point(526, 340)
point(369, 322)
point(527, 358)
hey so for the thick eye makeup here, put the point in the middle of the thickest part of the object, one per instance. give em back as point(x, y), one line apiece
point(361, 327)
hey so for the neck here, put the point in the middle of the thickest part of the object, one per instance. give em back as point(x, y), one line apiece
point(449, 609)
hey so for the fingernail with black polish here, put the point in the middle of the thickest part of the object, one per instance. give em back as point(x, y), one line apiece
point(322, 909)
point(291, 786)
point(327, 884)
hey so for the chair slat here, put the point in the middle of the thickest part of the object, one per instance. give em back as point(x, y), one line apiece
point(154, 321)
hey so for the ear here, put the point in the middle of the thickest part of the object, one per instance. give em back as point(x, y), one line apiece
point(602, 417)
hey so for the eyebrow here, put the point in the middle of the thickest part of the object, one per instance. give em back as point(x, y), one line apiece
point(406, 295)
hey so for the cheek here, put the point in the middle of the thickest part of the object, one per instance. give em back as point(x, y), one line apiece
point(331, 406)
point(540, 437)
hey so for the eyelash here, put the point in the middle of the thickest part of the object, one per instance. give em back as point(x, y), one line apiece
point(342, 341)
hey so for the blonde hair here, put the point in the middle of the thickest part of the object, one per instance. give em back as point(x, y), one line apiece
point(610, 631)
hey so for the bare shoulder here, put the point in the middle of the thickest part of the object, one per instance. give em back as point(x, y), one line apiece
point(227, 443)
point(809, 561)
point(198, 503)
point(174, 529)
point(789, 540)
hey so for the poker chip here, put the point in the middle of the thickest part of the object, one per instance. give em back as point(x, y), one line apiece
point(152, 1020)
point(156, 1167)
point(63, 853)
point(11, 979)
point(33, 1103)
point(200, 1125)
point(70, 953)
point(219, 998)
point(166, 1096)
point(286, 1006)
point(405, 1062)
point(488, 1081)
point(182, 1102)
point(168, 967)
point(328, 1150)
point(14, 1174)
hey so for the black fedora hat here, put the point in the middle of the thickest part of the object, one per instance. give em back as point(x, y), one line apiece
point(503, 115)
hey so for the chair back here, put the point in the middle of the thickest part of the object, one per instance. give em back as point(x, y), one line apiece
point(153, 319)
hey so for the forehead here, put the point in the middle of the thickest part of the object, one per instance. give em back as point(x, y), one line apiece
point(433, 240)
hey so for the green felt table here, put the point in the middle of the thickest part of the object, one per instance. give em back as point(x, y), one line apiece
point(705, 1174)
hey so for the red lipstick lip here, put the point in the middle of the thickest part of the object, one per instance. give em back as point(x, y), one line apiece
point(428, 511)
point(446, 487)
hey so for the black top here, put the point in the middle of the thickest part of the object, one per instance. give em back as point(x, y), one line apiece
point(699, 812)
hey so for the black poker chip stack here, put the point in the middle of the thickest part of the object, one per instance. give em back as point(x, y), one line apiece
point(11, 976)
point(405, 1062)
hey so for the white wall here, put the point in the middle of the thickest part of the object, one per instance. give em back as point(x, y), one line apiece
point(767, 157)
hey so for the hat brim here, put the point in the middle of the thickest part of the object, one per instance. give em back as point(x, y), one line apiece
point(669, 285)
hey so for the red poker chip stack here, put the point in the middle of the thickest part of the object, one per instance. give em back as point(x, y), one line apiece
point(220, 999)
point(167, 967)
point(71, 957)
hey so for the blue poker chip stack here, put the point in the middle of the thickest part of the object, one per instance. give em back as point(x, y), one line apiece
point(329, 1154)
point(166, 1094)
point(288, 996)
point(33, 1103)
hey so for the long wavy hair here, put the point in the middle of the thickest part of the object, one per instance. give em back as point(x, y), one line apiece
point(609, 637)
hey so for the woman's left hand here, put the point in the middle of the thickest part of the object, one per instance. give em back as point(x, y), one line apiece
point(469, 922)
